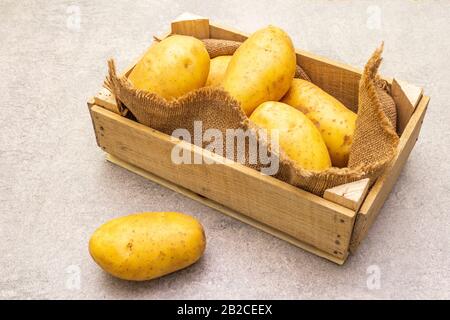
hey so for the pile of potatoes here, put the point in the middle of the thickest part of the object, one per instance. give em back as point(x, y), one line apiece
point(315, 130)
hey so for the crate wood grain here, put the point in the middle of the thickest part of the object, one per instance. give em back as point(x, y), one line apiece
point(217, 206)
point(350, 195)
point(304, 216)
point(328, 228)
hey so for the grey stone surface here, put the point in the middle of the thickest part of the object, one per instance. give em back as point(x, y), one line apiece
point(56, 188)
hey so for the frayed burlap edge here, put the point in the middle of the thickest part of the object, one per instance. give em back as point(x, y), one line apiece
point(144, 105)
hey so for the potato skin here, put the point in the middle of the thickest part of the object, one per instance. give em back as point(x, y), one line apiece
point(147, 245)
point(217, 69)
point(298, 136)
point(261, 69)
point(172, 67)
point(335, 122)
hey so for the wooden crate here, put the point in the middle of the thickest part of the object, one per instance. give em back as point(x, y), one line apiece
point(330, 227)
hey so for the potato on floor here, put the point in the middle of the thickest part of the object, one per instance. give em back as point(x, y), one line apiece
point(147, 245)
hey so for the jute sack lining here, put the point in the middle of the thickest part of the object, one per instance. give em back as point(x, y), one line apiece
point(374, 144)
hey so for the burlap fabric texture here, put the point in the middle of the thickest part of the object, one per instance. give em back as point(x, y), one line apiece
point(374, 144)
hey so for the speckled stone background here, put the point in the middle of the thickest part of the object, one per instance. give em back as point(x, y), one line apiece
point(56, 188)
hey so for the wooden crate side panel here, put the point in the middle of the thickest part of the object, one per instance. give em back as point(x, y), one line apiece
point(381, 189)
point(106, 99)
point(217, 31)
point(406, 97)
point(306, 217)
point(225, 210)
point(90, 105)
point(191, 25)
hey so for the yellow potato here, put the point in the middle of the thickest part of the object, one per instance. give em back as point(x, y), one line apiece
point(172, 67)
point(335, 122)
point(298, 136)
point(261, 69)
point(147, 245)
point(217, 69)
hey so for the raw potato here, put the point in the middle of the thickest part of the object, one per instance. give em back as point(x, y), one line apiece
point(298, 136)
point(217, 69)
point(261, 69)
point(147, 245)
point(335, 122)
point(172, 67)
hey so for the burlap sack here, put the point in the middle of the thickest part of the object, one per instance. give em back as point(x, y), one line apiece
point(374, 145)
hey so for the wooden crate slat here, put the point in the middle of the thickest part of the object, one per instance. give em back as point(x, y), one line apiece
point(191, 25)
point(106, 99)
point(350, 195)
point(406, 97)
point(217, 31)
point(302, 215)
point(412, 92)
point(217, 206)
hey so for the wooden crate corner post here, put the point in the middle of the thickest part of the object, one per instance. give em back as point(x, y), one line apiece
point(106, 99)
point(350, 195)
point(406, 97)
point(191, 25)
